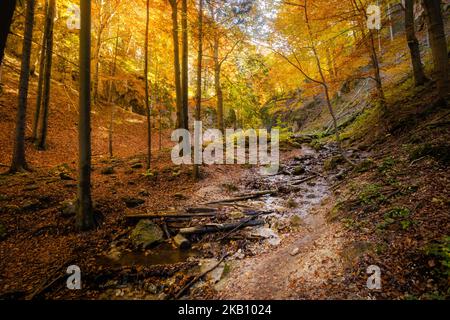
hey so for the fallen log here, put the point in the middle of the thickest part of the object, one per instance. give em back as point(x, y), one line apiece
point(181, 242)
point(209, 228)
point(244, 197)
point(297, 182)
point(169, 215)
point(200, 209)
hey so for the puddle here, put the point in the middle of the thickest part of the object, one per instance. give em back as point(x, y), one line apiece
point(160, 255)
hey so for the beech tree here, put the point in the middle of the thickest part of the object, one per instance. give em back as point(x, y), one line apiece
point(413, 44)
point(47, 74)
point(198, 96)
point(84, 216)
point(147, 97)
point(438, 44)
point(7, 8)
point(18, 159)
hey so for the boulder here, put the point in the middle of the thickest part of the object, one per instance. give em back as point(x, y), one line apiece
point(131, 202)
point(107, 170)
point(145, 234)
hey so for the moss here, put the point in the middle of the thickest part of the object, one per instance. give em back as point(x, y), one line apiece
point(364, 165)
point(332, 163)
point(291, 203)
point(439, 152)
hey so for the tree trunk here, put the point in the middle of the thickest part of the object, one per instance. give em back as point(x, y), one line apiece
point(147, 106)
point(198, 102)
point(85, 217)
point(326, 90)
point(217, 85)
point(176, 62)
point(184, 75)
point(97, 51)
point(18, 160)
point(7, 8)
point(438, 44)
point(47, 76)
point(37, 111)
point(110, 132)
point(413, 44)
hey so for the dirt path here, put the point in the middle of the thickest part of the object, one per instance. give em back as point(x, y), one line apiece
point(308, 263)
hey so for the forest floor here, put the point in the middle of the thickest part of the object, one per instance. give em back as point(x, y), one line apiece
point(322, 226)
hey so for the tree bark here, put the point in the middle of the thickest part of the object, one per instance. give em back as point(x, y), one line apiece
point(97, 51)
point(217, 85)
point(413, 44)
point(37, 111)
point(7, 8)
point(198, 102)
point(147, 105)
point(176, 62)
point(184, 75)
point(438, 44)
point(47, 76)
point(84, 216)
point(18, 160)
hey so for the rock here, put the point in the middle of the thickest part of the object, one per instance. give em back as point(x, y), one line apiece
point(145, 234)
point(299, 170)
point(131, 202)
point(216, 274)
point(181, 242)
point(65, 176)
point(332, 163)
point(136, 166)
point(296, 221)
point(107, 170)
point(31, 187)
point(294, 251)
point(68, 208)
point(179, 196)
point(30, 205)
point(270, 235)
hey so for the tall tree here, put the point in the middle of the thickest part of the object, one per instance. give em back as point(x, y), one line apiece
point(184, 74)
point(18, 160)
point(85, 217)
point(37, 110)
point(176, 63)
point(413, 44)
point(48, 72)
point(7, 8)
point(198, 98)
point(438, 44)
point(147, 97)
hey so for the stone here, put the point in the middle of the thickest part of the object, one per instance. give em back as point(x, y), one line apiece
point(296, 221)
point(31, 187)
point(179, 196)
point(131, 202)
point(294, 251)
point(68, 208)
point(65, 176)
point(30, 205)
point(299, 170)
point(136, 166)
point(145, 234)
point(107, 170)
point(216, 274)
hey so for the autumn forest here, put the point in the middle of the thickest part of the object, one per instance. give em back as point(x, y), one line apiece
point(224, 149)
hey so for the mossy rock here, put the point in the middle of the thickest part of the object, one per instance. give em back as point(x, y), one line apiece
point(296, 221)
point(332, 163)
point(107, 170)
point(364, 165)
point(298, 170)
point(136, 166)
point(145, 234)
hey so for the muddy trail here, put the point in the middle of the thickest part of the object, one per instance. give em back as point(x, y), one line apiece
point(263, 238)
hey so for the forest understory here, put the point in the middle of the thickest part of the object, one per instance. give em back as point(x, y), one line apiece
point(323, 223)
point(354, 95)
